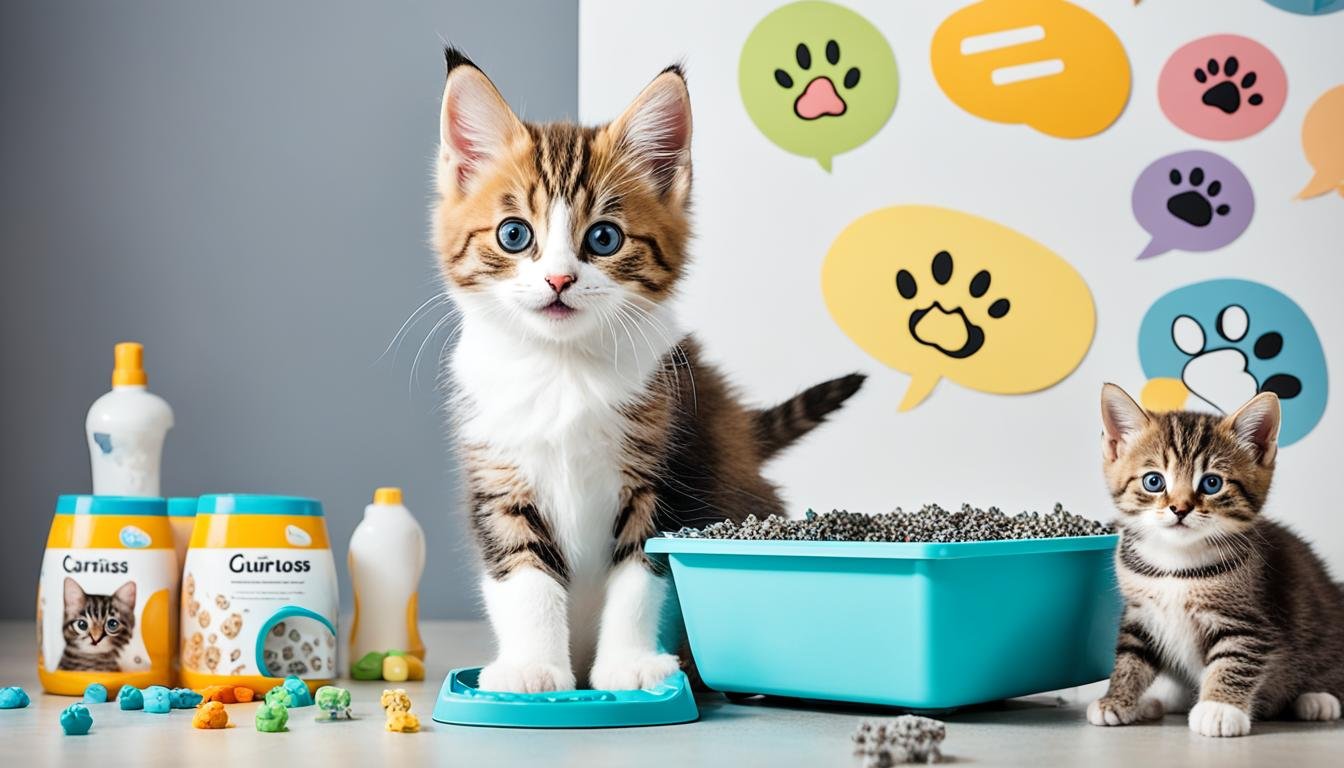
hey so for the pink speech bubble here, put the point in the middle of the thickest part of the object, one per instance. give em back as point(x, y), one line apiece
point(1222, 87)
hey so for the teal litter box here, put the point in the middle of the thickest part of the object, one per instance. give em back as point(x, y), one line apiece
point(462, 703)
point(912, 625)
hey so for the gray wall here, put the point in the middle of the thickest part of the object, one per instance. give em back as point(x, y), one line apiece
point(241, 186)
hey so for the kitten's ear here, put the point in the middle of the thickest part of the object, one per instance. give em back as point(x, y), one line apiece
point(1121, 418)
point(654, 134)
point(125, 594)
point(74, 595)
point(476, 125)
point(1257, 425)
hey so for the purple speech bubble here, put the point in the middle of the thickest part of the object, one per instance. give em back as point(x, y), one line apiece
point(1194, 201)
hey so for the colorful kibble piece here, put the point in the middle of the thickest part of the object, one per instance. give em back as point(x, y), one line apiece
point(158, 699)
point(395, 700)
point(279, 696)
point(76, 720)
point(183, 698)
point(369, 666)
point(224, 694)
point(13, 697)
point(334, 703)
point(395, 669)
point(130, 697)
point(271, 718)
point(402, 722)
point(415, 668)
point(299, 695)
point(211, 715)
point(95, 693)
point(244, 695)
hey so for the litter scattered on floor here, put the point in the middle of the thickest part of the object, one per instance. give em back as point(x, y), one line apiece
point(931, 523)
point(130, 697)
point(211, 714)
point(183, 698)
point(906, 739)
point(76, 720)
point(13, 697)
point(158, 700)
point(95, 693)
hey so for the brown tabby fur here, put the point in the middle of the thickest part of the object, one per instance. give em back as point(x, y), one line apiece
point(692, 451)
point(1233, 606)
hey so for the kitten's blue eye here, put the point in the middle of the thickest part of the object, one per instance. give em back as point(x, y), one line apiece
point(603, 238)
point(513, 235)
point(1153, 482)
point(1210, 484)
point(112, 625)
point(83, 625)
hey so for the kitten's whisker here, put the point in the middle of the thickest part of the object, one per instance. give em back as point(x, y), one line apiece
point(411, 320)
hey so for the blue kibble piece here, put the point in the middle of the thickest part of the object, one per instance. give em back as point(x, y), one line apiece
point(96, 693)
point(13, 697)
point(158, 699)
point(76, 720)
point(130, 697)
point(299, 695)
point(183, 698)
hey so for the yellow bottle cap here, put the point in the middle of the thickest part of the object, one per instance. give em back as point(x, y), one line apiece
point(388, 496)
point(129, 369)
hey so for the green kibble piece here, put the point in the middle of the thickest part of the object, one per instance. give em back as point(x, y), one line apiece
point(369, 666)
point(279, 696)
point(271, 718)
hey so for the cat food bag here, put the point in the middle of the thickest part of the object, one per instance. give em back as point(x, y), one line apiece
point(259, 597)
point(106, 594)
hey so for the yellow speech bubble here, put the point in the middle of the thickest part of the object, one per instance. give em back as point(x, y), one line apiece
point(1046, 63)
point(935, 292)
point(1323, 143)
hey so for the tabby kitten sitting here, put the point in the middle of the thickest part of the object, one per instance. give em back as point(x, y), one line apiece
point(586, 420)
point(1218, 600)
point(97, 628)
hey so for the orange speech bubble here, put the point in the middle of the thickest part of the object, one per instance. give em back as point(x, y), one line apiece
point(1046, 63)
point(1323, 144)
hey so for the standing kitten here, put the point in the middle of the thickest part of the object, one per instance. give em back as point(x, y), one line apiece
point(97, 628)
point(586, 420)
point(1218, 600)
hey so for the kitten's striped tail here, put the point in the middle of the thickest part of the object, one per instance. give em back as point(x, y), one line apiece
point(780, 425)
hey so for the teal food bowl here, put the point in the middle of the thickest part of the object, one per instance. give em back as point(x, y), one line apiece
point(460, 702)
point(912, 625)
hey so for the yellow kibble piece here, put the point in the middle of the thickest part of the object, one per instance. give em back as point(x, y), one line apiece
point(399, 721)
point(395, 669)
point(395, 700)
point(415, 668)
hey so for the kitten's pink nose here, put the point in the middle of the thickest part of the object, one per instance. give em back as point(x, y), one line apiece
point(559, 283)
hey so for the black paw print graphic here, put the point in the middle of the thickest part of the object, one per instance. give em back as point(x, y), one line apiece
point(1193, 206)
point(961, 338)
point(1226, 93)
point(819, 98)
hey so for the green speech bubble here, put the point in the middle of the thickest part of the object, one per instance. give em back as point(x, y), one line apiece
point(817, 79)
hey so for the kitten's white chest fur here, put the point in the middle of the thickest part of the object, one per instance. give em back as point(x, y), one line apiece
point(553, 413)
point(1165, 614)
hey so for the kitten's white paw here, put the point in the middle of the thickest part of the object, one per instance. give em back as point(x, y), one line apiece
point(1316, 706)
point(1214, 718)
point(1106, 711)
point(627, 673)
point(534, 677)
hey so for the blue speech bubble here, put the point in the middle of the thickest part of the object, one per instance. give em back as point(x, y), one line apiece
point(1308, 7)
point(1227, 340)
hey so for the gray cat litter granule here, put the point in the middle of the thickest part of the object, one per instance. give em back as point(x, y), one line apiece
point(906, 739)
point(931, 523)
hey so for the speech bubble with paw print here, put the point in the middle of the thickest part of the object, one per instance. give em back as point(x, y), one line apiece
point(939, 293)
point(817, 79)
point(1222, 87)
point(1192, 201)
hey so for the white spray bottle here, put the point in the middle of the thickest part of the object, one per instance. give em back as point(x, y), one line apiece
point(387, 556)
point(126, 428)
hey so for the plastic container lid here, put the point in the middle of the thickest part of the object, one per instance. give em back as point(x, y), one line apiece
point(257, 504)
point(462, 703)
point(84, 504)
point(182, 506)
point(389, 496)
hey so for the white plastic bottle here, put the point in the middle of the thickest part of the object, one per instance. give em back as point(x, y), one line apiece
point(387, 556)
point(126, 428)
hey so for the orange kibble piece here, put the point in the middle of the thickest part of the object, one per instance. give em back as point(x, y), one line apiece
point(220, 693)
point(243, 695)
point(212, 714)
